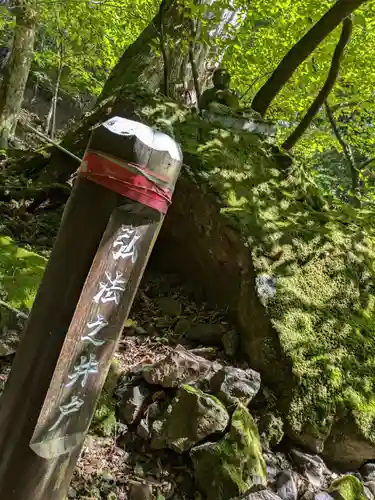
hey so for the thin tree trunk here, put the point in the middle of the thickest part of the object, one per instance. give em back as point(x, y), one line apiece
point(301, 50)
point(17, 70)
point(51, 117)
point(326, 89)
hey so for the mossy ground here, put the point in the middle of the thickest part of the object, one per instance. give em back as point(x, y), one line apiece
point(320, 250)
point(21, 272)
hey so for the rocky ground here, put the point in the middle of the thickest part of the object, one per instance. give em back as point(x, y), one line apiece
point(182, 416)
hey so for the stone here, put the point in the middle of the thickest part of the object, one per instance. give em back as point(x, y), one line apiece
point(179, 367)
point(259, 495)
point(368, 493)
point(271, 428)
point(347, 487)
point(230, 341)
point(169, 306)
point(182, 325)
point(312, 466)
point(72, 493)
point(140, 491)
point(191, 417)
point(206, 333)
point(286, 485)
point(368, 471)
point(323, 495)
point(133, 400)
point(143, 429)
point(370, 485)
point(232, 385)
point(232, 465)
point(9, 341)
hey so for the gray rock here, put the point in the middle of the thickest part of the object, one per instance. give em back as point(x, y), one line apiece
point(206, 333)
point(286, 485)
point(368, 471)
point(230, 341)
point(312, 467)
point(232, 385)
point(9, 341)
point(140, 491)
point(370, 485)
point(191, 417)
point(169, 306)
point(72, 493)
point(179, 367)
point(143, 429)
point(323, 495)
point(258, 495)
point(368, 493)
point(133, 400)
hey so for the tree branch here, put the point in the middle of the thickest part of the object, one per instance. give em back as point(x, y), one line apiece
point(301, 50)
point(327, 87)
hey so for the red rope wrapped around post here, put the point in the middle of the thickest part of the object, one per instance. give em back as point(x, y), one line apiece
point(110, 224)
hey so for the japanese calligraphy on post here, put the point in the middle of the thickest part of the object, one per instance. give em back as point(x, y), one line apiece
point(90, 341)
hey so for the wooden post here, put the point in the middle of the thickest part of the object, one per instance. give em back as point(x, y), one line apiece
point(109, 227)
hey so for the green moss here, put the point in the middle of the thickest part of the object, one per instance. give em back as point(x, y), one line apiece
point(321, 252)
point(347, 488)
point(225, 469)
point(21, 272)
point(104, 420)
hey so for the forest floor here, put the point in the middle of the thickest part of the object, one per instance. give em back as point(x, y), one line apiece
point(120, 465)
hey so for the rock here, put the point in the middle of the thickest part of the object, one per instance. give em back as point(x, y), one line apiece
point(191, 417)
point(179, 367)
point(323, 496)
point(72, 493)
point(9, 341)
point(370, 485)
point(140, 491)
point(347, 488)
point(182, 325)
point(169, 306)
point(271, 428)
point(229, 467)
point(258, 495)
point(312, 466)
point(232, 385)
point(143, 429)
point(206, 333)
point(286, 485)
point(368, 493)
point(133, 400)
point(368, 471)
point(230, 341)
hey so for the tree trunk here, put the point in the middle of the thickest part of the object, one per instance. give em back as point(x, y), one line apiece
point(17, 70)
point(51, 118)
point(301, 50)
point(326, 89)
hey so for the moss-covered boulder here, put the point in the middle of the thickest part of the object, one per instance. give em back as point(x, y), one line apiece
point(191, 417)
point(225, 469)
point(347, 488)
point(293, 265)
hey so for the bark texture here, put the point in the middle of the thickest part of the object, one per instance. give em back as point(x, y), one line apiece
point(17, 70)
